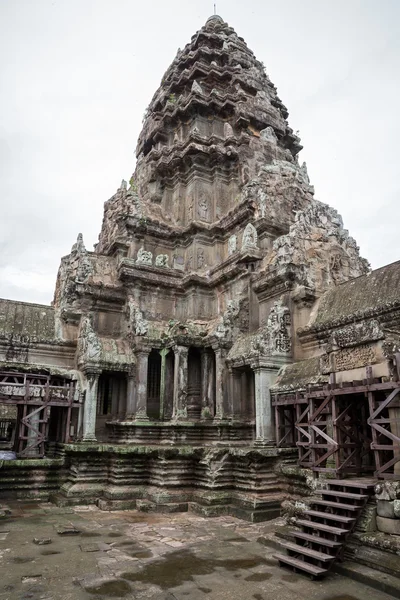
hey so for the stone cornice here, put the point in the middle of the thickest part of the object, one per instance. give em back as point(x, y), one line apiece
point(385, 312)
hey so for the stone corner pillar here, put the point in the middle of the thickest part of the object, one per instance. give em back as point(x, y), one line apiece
point(163, 353)
point(236, 393)
point(130, 396)
point(90, 406)
point(142, 357)
point(265, 377)
point(207, 388)
point(180, 383)
point(220, 382)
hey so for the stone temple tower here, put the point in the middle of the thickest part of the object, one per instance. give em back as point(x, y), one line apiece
point(206, 261)
point(224, 328)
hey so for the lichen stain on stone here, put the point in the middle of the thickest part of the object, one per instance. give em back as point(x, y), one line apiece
point(115, 588)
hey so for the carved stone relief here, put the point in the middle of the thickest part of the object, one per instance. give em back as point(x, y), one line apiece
point(201, 261)
point(137, 323)
point(144, 257)
point(275, 337)
point(249, 237)
point(262, 203)
point(89, 346)
point(232, 245)
point(162, 260)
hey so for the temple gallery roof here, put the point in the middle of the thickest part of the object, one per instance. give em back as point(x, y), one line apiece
point(367, 294)
point(25, 320)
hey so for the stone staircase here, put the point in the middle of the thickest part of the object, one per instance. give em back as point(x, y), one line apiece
point(326, 526)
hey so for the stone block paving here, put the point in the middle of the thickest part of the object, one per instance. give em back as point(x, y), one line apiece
point(99, 555)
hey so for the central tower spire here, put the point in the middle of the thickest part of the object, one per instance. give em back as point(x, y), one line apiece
point(205, 129)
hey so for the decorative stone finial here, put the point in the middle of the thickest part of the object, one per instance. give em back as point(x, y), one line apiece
point(196, 87)
point(79, 245)
point(214, 19)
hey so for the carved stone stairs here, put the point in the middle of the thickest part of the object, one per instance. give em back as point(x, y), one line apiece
point(326, 526)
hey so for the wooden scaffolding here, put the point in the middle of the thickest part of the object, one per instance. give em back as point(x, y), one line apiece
point(351, 429)
point(41, 401)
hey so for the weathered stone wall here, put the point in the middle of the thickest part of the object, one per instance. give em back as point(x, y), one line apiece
point(31, 479)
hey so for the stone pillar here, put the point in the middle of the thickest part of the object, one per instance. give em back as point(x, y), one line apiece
point(90, 407)
point(130, 397)
point(163, 354)
point(236, 393)
point(180, 382)
point(169, 385)
point(265, 426)
point(142, 357)
point(207, 408)
point(220, 383)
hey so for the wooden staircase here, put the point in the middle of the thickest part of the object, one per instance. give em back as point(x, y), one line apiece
point(326, 526)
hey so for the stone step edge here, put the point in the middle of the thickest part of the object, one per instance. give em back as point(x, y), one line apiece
point(383, 582)
point(373, 578)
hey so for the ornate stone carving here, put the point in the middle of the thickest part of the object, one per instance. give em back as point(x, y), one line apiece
point(162, 260)
point(321, 249)
point(203, 208)
point(354, 358)
point(144, 257)
point(225, 327)
point(201, 261)
point(228, 131)
point(137, 323)
point(262, 203)
point(232, 245)
point(196, 87)
point(89, 346)
point(268, 134)
point(249, 237)
point(274, 338)
point(355, 334)
point(189, 262)
point(304, 172)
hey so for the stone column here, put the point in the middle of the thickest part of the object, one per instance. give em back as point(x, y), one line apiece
point(169, 385)
point(220, 381)
point(142, 357)
point(265, 426)
point(90, 407)
point(236, 393)
point(180, 382)
point(207, 408)
point(163, 354)
point(130, 397)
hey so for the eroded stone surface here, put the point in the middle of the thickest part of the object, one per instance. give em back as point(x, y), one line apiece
point(152, 556)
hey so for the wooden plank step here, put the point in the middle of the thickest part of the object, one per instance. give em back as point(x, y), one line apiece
point(329, 516)
point(308, 552)
point(301, 565)
point(350, 483)
point(322, 527)
point(348, 495)
point(316, 539)
point(338, 505)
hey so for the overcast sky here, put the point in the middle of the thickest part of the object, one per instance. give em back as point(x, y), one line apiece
point(77, 76)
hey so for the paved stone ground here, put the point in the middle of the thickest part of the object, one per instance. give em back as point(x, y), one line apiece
point(100, 555)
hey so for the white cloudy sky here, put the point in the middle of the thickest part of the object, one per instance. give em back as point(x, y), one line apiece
point(77, 75)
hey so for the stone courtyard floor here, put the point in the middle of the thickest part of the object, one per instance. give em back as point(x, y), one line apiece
point(99, 555)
